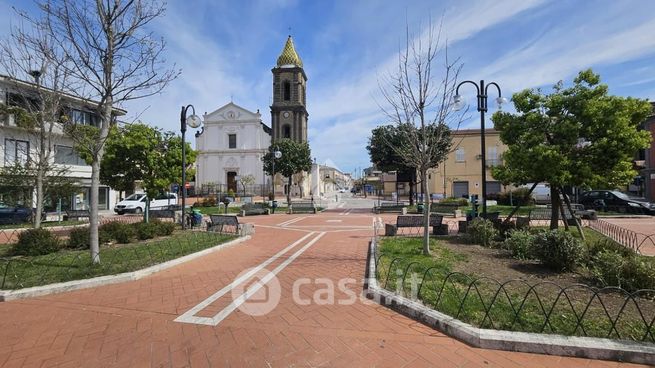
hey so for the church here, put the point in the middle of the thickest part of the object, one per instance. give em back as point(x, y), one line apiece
point(233, 140)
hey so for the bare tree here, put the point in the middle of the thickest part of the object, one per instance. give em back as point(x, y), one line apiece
point(30, 52)
point(420, 103)
point(115, 58)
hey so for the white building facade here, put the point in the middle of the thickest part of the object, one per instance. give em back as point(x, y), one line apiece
point(18, 146)
point(231, 145)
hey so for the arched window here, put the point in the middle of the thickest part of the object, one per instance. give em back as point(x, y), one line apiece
point(286, 131)
point(287, 91)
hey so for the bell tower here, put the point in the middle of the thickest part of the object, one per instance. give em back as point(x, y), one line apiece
point(289, 109)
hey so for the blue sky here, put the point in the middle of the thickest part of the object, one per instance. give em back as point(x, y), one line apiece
point(226, 50)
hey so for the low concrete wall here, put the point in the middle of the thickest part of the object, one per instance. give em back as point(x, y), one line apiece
point(574, 346)
point(6, 295)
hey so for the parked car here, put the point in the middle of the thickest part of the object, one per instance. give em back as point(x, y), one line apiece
point(15, 214)
point(613, 200)
point(136, 203)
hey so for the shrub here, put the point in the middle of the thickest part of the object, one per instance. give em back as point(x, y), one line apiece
point(609, 245)
point(638, 273)
point(559, 250)
point(124, 234)
point(518, 196)
point(521, 244)
point(36, 242)
point(606, 267)
point(165, 228)
point(481, 231)
point(79, 238)
point(209, 201)
point(146, 230)
point(109, 230)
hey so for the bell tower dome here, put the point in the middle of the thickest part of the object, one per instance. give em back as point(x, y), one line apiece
point(289, 109)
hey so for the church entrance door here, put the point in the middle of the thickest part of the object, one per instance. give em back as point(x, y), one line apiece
point(231, 181)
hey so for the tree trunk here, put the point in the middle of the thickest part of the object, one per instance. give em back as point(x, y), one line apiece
point(577, 223)
point(518, 206)
point(39, 196)
point(93, 210)
point(412, 185)
point(554, 204)
point(289, 191)
point(426, 215)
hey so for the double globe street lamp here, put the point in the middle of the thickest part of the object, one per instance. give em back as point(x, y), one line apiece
point(193, 121)
point(482, 90)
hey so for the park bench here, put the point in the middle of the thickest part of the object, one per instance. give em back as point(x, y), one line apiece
point(543, 214)
point(302, 207)
point(224, 224)
point(250, 209)
point(391, 207)
point(76, 215)
point(416, 221)
point(162, 213)
point(451, 209)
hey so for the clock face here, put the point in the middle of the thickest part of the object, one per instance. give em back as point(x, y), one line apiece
point(286, 114)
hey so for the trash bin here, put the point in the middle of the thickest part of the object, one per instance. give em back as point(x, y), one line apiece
point(419, 208)
point(274, 206)
point(197, 217)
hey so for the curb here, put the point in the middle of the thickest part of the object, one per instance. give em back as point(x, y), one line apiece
point(572, 346)
point(61, 287)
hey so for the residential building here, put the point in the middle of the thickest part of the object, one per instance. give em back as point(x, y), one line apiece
point(18, 145)
point(332, 179)
point(461, 174)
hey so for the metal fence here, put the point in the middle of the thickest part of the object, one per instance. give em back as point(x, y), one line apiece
point(67, 265)
point(640, 243)
point(518, 305)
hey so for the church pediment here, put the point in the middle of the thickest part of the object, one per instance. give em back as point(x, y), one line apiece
point(232, 112)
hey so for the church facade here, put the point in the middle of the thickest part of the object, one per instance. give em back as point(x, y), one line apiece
point(231, 145)
point(234, 140)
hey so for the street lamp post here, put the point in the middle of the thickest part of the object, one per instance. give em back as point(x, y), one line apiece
point(276, 156)
point(192, 121)
point(482, 108)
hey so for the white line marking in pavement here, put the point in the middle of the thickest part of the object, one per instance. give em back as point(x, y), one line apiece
point(292, 221)
point(264, 280)
point(333, 220)
point(283, 228)
point(189, 316)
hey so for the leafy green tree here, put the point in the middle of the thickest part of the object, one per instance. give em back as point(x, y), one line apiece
point(139, 152)
point(381, 150)
point(575, 136)
point(296, 157)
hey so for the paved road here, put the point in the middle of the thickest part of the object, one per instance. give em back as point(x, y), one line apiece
point(213, 312)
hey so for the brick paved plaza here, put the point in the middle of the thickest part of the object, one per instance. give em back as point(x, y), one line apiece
point(134, 324)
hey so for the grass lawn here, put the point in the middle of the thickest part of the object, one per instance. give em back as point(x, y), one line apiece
point(67, 265)
point(468, 295)
point(233, 208)
point(43, 224)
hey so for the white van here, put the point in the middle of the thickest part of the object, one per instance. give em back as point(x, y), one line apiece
point(136, 203)
point(540, 194)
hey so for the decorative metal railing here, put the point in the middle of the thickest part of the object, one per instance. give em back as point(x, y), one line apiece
point(519, 305)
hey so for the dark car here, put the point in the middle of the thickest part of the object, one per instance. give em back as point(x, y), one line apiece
point(613, 200)
point(15, 214)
